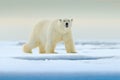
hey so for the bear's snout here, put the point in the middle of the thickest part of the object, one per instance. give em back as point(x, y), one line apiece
point(66, 25)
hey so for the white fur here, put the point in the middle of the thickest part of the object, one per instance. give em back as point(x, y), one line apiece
point(47, 34)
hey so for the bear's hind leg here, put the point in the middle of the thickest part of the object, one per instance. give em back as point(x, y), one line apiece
point(50, 47)
point(27, 49)
point(41, 48)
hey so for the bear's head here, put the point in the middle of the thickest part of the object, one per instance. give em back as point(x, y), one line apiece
point(66, 24)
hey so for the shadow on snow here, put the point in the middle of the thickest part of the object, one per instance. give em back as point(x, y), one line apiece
point(62, 57)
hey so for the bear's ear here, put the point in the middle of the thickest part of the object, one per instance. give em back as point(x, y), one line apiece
point(71, 19)
point(60, 20)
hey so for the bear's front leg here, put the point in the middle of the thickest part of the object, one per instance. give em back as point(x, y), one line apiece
point(69, 45)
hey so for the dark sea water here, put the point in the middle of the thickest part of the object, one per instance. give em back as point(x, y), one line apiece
point(61, 76)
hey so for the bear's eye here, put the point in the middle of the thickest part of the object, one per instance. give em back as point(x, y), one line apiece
point(63, 20)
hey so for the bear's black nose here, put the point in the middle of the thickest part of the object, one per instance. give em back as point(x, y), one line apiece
point(66, 25)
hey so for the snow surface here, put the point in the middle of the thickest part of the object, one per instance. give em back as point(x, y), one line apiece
point(92, 56)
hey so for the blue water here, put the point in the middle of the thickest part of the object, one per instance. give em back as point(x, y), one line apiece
point(60, 76)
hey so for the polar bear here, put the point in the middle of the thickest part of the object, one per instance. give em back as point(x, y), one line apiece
point(46, 34)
